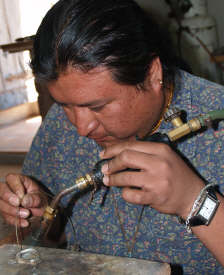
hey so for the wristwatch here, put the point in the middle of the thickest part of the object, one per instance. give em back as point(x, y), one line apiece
point(206, 209)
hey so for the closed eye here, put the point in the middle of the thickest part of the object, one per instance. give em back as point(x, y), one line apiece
point(63, 104)
point(97, 108)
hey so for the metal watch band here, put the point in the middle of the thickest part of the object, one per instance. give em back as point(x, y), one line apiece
point(207, 209)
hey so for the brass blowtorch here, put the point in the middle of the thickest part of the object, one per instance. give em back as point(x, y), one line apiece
point(95, 177)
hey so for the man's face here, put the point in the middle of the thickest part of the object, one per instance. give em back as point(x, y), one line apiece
point(104, 110)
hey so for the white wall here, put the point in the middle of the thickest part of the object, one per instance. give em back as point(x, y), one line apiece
point(197, 58)
point(215, 9)
point(18, 18)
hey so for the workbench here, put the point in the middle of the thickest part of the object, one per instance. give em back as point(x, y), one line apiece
point(64, 262)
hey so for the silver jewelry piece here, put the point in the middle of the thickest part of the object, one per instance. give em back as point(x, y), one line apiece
point(28, 256)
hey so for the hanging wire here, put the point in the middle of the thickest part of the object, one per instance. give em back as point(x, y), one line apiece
point(18, 231)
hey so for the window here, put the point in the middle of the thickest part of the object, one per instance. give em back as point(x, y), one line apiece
point(18, 19)
point(31, 14)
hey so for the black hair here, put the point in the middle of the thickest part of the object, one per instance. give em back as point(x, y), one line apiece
point(85, 34)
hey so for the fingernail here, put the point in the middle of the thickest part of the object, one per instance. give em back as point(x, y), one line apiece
point(24, 224)
point(106, 180)
point(14, 201)
point(27, 201)
point(101, 153)
point(20, 195)
point(104, 168)
point(23, 213)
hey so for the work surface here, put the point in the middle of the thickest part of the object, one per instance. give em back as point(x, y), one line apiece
point(63, 262)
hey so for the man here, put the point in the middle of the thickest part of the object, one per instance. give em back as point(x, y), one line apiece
point(112, 75)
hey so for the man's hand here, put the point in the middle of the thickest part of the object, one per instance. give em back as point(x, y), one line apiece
point(161, 178)
point(20, 198)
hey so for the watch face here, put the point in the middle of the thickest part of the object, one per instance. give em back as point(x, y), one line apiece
point(208, 208)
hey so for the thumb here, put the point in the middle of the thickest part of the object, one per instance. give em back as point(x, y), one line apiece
point(31, 200)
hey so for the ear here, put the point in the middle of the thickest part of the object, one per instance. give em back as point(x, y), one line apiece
point(155, 75)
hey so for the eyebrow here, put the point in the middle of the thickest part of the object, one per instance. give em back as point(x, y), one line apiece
point(95, 102)
point(88, 104)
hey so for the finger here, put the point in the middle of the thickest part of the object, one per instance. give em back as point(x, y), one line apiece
point(141, 146)
point(124, 179)
point(37, 212)
point(27, 190)
point(8, 196)
point(16, 221)
point(30, 185)
point(15, 183)
point(8, 210)
point(31, 200)
point(132, 160)
point(137, 196)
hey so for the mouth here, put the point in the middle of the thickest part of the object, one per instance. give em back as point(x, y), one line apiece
point(99, 139)
point(106, 141)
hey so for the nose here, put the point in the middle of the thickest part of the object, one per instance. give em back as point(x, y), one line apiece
point(84, 120)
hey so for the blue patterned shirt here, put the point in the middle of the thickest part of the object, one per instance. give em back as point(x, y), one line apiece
point(59, 155)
